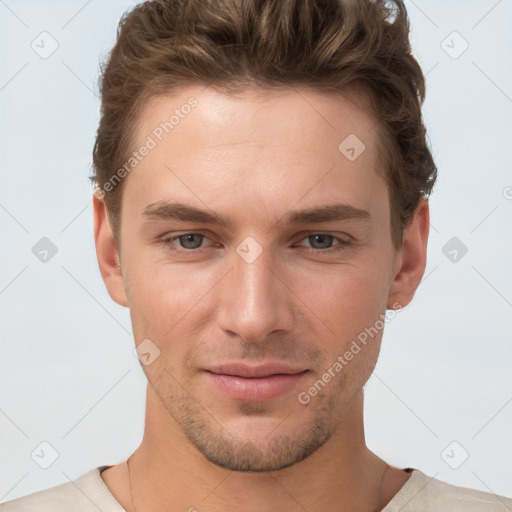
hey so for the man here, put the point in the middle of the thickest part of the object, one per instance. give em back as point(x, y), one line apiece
point(262, 178)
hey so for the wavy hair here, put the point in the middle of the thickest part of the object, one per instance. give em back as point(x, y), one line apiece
point(330, 46)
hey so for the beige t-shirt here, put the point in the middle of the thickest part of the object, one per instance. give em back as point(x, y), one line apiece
point(421, 493)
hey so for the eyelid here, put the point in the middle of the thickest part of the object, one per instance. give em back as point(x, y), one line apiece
point(341, 244)
point(166, 240)
point(337, 235)
point(168, 243)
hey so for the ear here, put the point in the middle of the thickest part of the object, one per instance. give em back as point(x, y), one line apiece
point(411, 258)
point(107, 254)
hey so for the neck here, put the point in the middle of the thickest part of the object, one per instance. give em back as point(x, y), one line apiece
point(167, 472)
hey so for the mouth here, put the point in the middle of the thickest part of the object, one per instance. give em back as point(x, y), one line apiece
point(255, 383)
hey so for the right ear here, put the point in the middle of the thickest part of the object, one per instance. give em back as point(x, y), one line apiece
point(107, 254)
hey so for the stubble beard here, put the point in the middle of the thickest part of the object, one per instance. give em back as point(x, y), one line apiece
point(276, 451)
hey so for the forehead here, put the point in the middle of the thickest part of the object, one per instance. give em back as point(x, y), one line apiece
point(299, 112)
point(275, 147)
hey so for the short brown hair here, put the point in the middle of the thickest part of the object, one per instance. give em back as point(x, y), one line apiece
point(330, 46)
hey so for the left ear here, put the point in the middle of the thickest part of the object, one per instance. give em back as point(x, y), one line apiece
point(411, 258)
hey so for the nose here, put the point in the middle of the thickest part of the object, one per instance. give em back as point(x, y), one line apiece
point(255, 300)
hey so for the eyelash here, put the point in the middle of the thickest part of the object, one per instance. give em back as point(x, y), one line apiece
point(167, 243)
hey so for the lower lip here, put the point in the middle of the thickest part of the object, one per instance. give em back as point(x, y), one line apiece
point(257, 389)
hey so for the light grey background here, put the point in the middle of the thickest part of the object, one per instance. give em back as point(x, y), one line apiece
point(67, 372)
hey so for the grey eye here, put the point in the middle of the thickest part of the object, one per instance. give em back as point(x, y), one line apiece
point(324, 241)
point(191, 241)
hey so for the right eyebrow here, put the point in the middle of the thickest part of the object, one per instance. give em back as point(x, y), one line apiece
point(165, 210)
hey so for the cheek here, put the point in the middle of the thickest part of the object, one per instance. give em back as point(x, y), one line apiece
point(348, 298)
point(167, 303)
point(352, 304)
point(161, 286)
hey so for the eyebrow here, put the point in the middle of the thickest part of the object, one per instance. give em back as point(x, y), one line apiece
point(164, 210)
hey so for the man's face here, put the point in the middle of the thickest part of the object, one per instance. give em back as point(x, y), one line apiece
point(259, 289)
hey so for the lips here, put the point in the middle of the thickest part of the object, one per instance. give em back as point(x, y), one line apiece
point(247, 371)
point(255, 383)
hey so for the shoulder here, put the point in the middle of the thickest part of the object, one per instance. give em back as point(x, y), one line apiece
point(423, 493)
point(87, 492)
point(453, 497)
point(60, 497)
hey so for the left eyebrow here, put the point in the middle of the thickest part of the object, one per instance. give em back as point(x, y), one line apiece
point(332, 212)
point(164, 210)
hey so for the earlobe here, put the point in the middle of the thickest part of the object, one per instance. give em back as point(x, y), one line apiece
point(107, 254)
point(412, 258)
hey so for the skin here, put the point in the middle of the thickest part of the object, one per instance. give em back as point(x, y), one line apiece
point(253, 157)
